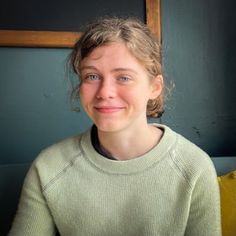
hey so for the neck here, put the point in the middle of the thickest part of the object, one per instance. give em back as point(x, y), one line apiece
point(126, 145)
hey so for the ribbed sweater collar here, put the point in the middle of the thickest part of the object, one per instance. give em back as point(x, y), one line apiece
point(135, 165)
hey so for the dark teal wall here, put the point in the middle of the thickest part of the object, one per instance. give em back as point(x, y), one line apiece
point(198, 55)
point(35, 106)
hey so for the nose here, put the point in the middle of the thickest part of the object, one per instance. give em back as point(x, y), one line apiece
point(106, 90)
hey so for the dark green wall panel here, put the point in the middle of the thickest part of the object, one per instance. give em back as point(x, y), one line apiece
point(200, 58)
point(67, 15)
point(35, 106)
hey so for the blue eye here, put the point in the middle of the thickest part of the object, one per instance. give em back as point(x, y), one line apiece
point(124, 79)
point(92, 77)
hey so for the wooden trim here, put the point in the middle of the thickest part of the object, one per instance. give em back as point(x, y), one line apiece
point(20, 38)
point(57, 39)
point(153, 16)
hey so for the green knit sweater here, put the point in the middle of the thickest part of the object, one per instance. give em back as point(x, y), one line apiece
point(172, 190)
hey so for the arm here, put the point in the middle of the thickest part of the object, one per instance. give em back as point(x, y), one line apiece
point(204, 217)
point(33, 215)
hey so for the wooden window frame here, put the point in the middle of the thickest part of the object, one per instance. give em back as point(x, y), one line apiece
point(59, 39)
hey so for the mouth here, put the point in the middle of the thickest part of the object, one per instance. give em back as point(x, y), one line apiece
point(108, 109)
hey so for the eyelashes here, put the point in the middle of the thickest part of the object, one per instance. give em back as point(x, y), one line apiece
point(124, 78)
point(92, 78)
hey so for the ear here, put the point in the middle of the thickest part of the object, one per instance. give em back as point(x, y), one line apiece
point(156, 86)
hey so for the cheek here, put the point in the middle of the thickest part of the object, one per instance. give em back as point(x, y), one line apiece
point(127, 94)
point(87, 95)
point(135, 100)
point(84, 91)
point(83, 96)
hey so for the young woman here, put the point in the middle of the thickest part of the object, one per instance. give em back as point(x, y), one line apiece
point(123, 176)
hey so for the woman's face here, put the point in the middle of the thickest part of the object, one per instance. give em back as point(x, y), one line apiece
point(115, 88)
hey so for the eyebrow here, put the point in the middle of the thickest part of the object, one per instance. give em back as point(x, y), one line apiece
point(114, 70)
point(125, 69)
point(88, 67)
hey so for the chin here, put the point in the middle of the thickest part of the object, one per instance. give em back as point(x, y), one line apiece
point(107, 129)
point(109, 126)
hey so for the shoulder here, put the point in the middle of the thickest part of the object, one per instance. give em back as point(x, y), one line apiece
point(189, 154)
point(186, 158)
point(60, 152)
point(56, 159)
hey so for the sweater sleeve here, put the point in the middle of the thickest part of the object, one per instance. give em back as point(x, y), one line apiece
point(204, 217)
point(33, 216)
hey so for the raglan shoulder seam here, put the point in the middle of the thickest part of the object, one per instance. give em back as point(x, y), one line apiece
point(182, 167)
point(61, 173)
point(55, 161)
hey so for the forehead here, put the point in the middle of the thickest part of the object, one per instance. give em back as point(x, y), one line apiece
point(112, 54)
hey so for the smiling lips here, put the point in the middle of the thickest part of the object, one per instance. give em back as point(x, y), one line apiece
point(108, 109)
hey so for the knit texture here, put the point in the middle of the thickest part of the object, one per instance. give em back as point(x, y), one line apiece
point(170, 191)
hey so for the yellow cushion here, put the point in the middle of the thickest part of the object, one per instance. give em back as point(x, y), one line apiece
point(227, 185)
